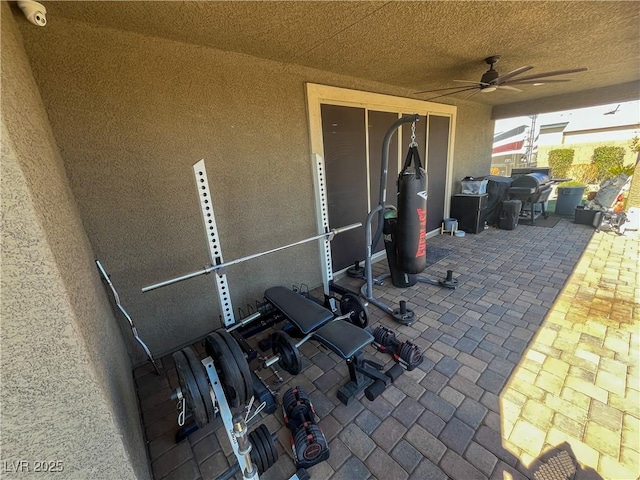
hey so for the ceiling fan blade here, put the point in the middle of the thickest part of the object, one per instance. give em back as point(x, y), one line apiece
point(507, 87)
point(470, 81)
point(453, 93)
point(472, 93)
point(437, 90)
point(538, 82)
point(552, 74)
point(512, 73)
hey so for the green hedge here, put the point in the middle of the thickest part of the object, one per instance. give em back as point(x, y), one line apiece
point(560, 161)
point(608, 161)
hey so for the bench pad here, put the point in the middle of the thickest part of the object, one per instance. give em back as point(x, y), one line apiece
point(305, 314)
point(343, 338)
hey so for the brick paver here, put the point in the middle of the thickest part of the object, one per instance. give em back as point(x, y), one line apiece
point(536, 353)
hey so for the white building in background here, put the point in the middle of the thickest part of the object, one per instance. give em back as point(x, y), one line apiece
point(582, 130)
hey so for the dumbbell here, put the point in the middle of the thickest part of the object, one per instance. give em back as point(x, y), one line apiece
point(406, 353)
point(308, 443)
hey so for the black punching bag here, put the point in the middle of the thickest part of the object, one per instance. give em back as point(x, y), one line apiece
point(411, 243)
point(399, 278)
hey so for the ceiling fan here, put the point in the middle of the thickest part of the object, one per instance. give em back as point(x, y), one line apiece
point(491, 80)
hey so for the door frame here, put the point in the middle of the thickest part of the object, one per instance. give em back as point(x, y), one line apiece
point(317, 95)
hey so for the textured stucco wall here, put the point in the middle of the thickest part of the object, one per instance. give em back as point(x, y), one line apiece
point(132, 113)
point(67, 388)
point(473, 151)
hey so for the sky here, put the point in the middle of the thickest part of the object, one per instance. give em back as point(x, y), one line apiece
point(625, 113)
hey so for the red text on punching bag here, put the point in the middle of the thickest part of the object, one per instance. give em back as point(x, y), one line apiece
point(422, 245)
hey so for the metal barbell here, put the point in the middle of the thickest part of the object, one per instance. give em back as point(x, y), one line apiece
point(220, 267)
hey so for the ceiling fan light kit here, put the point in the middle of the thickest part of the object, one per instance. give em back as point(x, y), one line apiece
point(491, 80)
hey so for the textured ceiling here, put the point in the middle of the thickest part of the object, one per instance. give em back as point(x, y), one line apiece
point(416, 45)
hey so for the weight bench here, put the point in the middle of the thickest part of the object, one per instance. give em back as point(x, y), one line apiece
point(340, 336)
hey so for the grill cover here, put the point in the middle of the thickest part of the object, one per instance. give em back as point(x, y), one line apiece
point(535, 180)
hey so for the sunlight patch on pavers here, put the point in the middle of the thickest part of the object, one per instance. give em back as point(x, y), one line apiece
point(577, 383)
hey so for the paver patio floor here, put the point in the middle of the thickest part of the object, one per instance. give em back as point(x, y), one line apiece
point(531, 370)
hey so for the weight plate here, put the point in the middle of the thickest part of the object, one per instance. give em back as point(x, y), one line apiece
point(190, 390)
point(202, 380)
point(241, 360)
point(227, 368)
point(350, 303)
point(355, 272)
point(271, 445)
point(452, 284)
point(406, 318)
point(258, 454)
point(270, 458)
point(282, 345)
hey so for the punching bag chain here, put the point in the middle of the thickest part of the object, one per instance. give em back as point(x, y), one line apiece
point(413, 135)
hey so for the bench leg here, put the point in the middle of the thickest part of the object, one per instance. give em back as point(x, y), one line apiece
point(362, 373)
point(358, 381)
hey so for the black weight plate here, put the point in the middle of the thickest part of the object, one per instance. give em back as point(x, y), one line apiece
point(265, 457)
point(406, 318)
point(260, 454)
point(237, 382)
point(190, 390)
point(227, 369)
point(283, 346)
point(240, 359)
point(354, 272)
point(202, 380)
point(269, 447)
point(350, 303)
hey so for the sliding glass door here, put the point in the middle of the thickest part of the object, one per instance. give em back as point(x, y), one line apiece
point(347, 131)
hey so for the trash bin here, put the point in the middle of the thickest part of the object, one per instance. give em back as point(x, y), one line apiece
point(509, 214)
point(568, 199)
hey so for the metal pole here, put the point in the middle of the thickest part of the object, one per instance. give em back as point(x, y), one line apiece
point(222, 266)
point(367, 259)
point(217, 395)
point(322, 213)
point(213, 240)
point(247, 320)
point(244, 447)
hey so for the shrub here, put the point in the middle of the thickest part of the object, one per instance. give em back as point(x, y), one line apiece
point(571, 183)
point(584, 172)
point(560, 160)
point(622, 169)
point(607, 159)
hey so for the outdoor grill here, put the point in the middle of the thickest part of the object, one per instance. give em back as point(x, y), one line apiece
point(530, 189)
